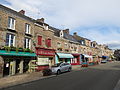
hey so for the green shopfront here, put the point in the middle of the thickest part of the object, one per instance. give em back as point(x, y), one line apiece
point(63, 57)
point(12, 62)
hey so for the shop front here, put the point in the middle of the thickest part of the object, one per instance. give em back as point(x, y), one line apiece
point(86, 60)
point(76, 59)
point(15, 62)
point(45, 58)
point(63, 57)
point(89, 59)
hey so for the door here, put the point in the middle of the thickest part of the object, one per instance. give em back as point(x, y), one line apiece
point(63, 67)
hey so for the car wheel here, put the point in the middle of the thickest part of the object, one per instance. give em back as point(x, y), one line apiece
point(69, 69)
point(58, 72)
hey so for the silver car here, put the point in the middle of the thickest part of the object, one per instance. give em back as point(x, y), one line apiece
point(61, 67)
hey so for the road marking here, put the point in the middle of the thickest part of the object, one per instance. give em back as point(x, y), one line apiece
point(117, 87)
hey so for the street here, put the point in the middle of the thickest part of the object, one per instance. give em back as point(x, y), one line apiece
point(99, 77)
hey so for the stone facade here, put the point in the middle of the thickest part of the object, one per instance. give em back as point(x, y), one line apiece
point(13, 65)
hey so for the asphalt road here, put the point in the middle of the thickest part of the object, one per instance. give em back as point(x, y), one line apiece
point(101, 77)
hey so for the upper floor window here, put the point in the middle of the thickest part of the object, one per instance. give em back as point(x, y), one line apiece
point(61, 33)
point(10, 39)
point(39, 40)
point(66, 45)
point(11, 23)
point(48, 42)
point(27, 43)
point(27, 28)
point(59, 44)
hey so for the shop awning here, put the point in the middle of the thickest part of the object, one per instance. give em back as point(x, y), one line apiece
point(14, 53)
point(87, 56)
point(65, 55)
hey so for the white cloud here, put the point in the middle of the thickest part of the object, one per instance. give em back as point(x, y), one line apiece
point(76, 13)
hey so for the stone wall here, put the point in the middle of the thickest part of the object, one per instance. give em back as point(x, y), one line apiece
point(1, 66)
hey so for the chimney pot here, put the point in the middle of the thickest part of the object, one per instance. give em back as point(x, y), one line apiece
point(75, 33)
point(22, 12)
point(41, 20)
point(66, 31)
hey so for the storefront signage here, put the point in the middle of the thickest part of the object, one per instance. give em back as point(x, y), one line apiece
point(43, 61)
point(47, 52)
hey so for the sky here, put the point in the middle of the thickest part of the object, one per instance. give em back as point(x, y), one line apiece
point(97, 20)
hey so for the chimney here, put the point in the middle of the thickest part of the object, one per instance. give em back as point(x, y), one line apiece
point(22, 12)
point(66, 31)
point(40, 20)
point(75, 33)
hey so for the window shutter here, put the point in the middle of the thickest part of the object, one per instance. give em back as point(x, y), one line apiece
point(39, 40)
point(48, 42)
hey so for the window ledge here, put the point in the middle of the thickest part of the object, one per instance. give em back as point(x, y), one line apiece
point(28, 34)
point(11, 30)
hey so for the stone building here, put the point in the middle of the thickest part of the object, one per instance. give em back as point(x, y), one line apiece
point(44, 44)
point(16, 35)
point(66, 47)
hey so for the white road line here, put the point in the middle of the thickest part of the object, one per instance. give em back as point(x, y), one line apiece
point(117, 87)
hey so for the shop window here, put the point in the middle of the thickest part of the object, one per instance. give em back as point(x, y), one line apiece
point(39, 40)
point(11, 23)
point(27, 43)
point(10, 39)
point(27, 28)
point(48, 42)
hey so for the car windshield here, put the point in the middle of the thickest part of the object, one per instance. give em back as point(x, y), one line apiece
point(56, 65)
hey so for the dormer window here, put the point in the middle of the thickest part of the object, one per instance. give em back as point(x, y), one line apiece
point(27, 28)
point(61, 33)
point(11, 23)
point(45, 27)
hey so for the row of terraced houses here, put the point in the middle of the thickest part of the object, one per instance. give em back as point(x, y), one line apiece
point(28, 45)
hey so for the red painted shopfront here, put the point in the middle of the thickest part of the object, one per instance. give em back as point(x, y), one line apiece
point(45, 58)
point(76, 59)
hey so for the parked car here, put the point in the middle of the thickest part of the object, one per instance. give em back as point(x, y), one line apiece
point(61, 67)
point(104, 61)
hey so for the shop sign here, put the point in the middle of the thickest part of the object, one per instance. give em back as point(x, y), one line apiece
point(43, 61)
point(45, 52)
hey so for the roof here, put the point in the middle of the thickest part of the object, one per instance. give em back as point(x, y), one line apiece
point(56, 31)
point(69, 37)
point(15, 12)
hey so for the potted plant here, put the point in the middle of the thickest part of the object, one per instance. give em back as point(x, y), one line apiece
point(20, 49)
point(12, 48)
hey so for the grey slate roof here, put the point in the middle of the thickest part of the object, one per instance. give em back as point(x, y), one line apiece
point(56, 31)
point(69, 37)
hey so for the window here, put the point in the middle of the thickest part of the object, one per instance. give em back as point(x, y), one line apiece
point(59, 44)
point(66, 45)
point(39, 40)
point(27, 28)
point(27, 43)
point(46, 27)
point(10, 39)
point(11, 23)
point(48, 42)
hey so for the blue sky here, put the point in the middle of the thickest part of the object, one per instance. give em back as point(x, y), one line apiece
point(97, 20)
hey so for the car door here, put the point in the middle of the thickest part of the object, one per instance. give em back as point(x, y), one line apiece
point(66, 66)
point(62, 67)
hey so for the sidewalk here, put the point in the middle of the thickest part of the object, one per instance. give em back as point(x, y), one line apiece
point(19, 79)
